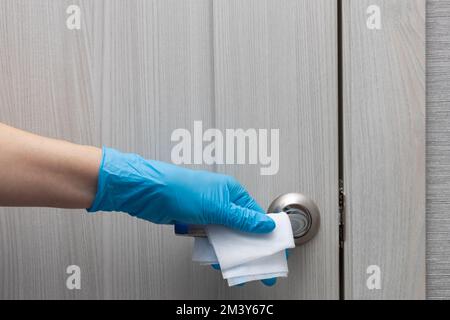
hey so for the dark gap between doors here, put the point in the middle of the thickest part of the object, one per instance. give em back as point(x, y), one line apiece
point(340, 181)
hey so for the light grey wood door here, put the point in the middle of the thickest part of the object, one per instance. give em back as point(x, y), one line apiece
point(135, 72)
point(384, 148)
point(138, 70)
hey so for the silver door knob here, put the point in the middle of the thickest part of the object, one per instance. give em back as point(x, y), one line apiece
point(303, 213)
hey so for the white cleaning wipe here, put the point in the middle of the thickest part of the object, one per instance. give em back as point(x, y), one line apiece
point(234, 247)
point(205, 255)
point(244, 256)
point(275, 263)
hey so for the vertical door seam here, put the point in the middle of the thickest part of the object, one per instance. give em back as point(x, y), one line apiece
point(340, 182)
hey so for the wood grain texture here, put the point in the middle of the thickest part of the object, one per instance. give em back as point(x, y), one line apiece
point(43, 76)
point(153, 60)
point(438, 149)
point(384, 148)
point(136, 71)
point(276, 68)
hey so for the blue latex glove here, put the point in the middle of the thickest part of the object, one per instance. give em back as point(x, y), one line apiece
point(165, 194)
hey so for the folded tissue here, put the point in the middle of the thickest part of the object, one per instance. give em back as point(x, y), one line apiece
point(245, 257)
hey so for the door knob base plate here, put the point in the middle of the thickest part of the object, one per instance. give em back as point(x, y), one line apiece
point(303, 212)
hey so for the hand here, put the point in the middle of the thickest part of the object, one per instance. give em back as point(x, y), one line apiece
point(163, 193)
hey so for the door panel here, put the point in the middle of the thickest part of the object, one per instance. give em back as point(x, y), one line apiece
point(131, 74)
point(138, 70)
point(276, 68)
point(384, 148)
point(135, 72)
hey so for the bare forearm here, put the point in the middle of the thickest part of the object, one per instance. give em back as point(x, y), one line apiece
point(38, 171)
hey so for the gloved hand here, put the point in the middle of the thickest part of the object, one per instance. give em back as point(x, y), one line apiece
point(165, 194)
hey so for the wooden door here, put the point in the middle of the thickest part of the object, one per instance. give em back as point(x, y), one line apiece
point(343, 100)
point(135, 72)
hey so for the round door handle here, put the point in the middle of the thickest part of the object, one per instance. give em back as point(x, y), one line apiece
point(303, 213)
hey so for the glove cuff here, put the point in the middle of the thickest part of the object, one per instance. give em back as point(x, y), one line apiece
point(99, 204)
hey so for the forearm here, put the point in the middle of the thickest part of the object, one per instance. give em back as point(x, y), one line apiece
point(38, 171)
